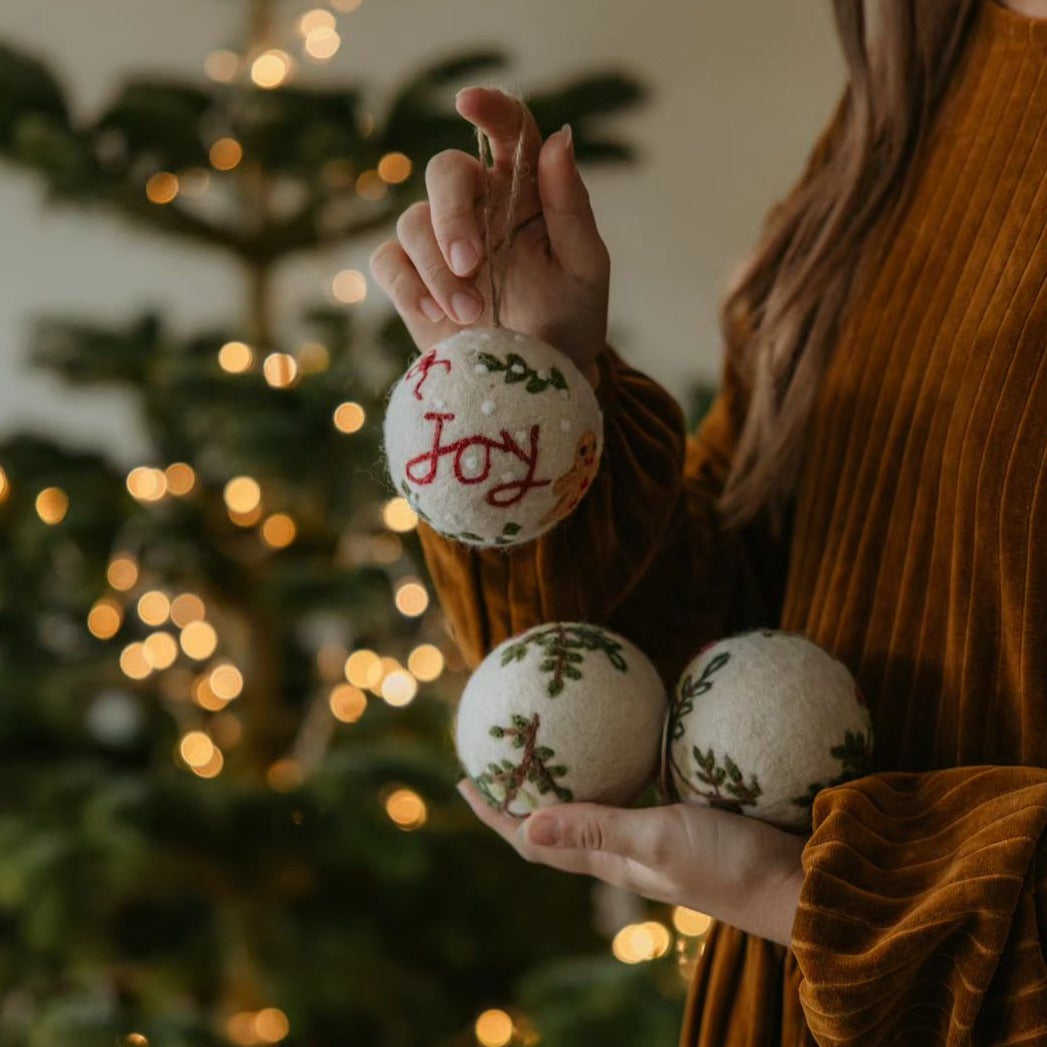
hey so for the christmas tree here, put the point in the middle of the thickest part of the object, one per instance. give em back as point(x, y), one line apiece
point(225, 691)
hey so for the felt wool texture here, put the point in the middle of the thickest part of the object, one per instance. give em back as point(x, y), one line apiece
point(493, 437)
point(564, 712)
point(761, 723)
point(916, 554)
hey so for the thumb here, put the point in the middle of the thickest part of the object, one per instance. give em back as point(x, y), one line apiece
point(629, 833)
point(569, 217)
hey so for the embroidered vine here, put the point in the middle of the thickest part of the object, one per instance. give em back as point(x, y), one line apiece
point(728, 789)
point(691, 688)
point(854, 756)
point(563, 646)
point(503, 782)
point(517, 369)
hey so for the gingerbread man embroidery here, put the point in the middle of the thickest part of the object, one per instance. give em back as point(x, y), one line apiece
point(570, 487)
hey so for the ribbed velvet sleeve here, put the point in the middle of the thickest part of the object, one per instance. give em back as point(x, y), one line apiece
point(921, 914)
point(642, 553)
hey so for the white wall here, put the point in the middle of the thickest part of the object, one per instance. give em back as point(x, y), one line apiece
point(739, 90)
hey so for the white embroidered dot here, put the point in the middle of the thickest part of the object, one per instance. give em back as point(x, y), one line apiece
point(471, 462)
point(440, 403)
point(480, 368)
point(543, 374)
point(487, 406)
point(506, 477)
point(518, 368)
point(520, 436)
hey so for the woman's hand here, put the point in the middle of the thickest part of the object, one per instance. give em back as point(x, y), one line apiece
point(556, 281)
point(739, 870)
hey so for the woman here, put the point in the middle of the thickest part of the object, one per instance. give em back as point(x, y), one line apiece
point(870, 476)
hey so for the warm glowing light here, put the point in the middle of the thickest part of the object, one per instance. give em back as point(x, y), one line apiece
point(349, 417)
point(398, 515)
point(222, 66)
point(279, 531)
point(160, 650)
point(104, 619)
point(226, 681)
point(399, 688)
point(133, 662)
point(205, 697)
point(639, 942)
point(363, 668)
point(196, 748)
point(691, 923)
point(180, 478)
point(426, 662)
point(243, 494)
point(246, 519)
point(162, 187)
point(52, 503)
point(225, 154)
point(322, 43)
point(285, 775)
point(271, 68)
point(280, 370)
point(406, 808)
point(494, 1028)
point(411, 599)
point(271, 1025)
point(349, 286)
point(313, 357)
point(370, 186)
point(122, 573)
point(134, 1039)
point(239, 1029)
point(347, 702)
point(346, 5)
point(146, 484)
point(235, 357)
point(199, 640)
point(5, 486)
point(394, 168)
point(154, 608)
point(213, 767)
point(318, 18)
point(186, 608)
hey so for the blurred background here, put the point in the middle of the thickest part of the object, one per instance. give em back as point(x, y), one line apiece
point(225, 690)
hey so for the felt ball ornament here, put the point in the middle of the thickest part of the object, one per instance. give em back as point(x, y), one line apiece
point(760, 723)
point(565, 711)
point(493, 436)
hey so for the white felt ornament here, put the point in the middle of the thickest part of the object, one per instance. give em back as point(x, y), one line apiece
point(761, 722)
point(566, 711)
point(493, 436)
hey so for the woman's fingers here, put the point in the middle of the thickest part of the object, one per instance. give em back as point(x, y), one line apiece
point(569, 218)
point(456, 297)
point(453, 182)
point(394, 272)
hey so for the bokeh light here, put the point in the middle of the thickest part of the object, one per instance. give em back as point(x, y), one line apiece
point(242, 494)
point(348, 703)
point(278, 531)
point(196, 748)
point(494, 1028)
point(154, 607)
point(162, 187)
point(122, 572)
point(349, 286)
point(104, 619)
point(411, 599)
point(161, 650)
point(199, 640)
point(363, 668)
point(322, 43)
point(349, 417)
point(406, 809)
point(394, 168)
point(186, 608)
point(52, 503)
point(369, 186)
point(691, 923)
point(5, 486)
point(226, 681)
point(225, 154)
point(398, 515)
point(180, 478)
point(271, 68)
point(235, 357)
point(280, 370)
point(146, 484)
point(426, 662)
point(133, 662)
point(399, 687)
point(222, 66)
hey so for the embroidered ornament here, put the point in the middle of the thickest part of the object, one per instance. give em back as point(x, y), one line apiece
point(564, 712)
point(493, 436)
point(760, 723)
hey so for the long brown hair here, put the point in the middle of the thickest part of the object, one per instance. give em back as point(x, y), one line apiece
point(781, 313)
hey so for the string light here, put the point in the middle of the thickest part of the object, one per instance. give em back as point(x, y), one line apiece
point(104, 619)
point(226, 681)
point(52, 503)
point(162, 187)
point(154, 608)
point(160, 650)
point(318, 18)
point(225, 154)
point(271, 1025)
point(205, 697)
point(322, 43)
point(199, 640)
point(146, 484)
point(248, 519)
point(235, 357)
point(640, 942)
point(222, 66)
point(411, 599)
point(313, 358)
point(399, 688)
point(406, 809)
point(122, 572)
point(271, 68)
point(5, 486)
point(349, 417)
point(349, 286)
point(180, 478)
point(348, 703)
point(134, 1039)
point(186, 608)
point(398, 515)
point(494, 1028)
point(279, 531)
point(346, 5)
point(280, 370)
point(285, 775)
point(196, 748)
point(394, 168)
point(213, 767)
point(363, 668)
point(369, 185)
point(242, 494)
point(426, 662)
point(133, 662)
point(691, 923)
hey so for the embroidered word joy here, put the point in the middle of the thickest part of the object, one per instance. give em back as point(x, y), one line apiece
point(472, 458)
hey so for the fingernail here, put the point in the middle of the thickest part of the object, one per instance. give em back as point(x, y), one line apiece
point(544, 831)
point(463, 257)
point(466, 307)
point(568, 139)
point(431, 309)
